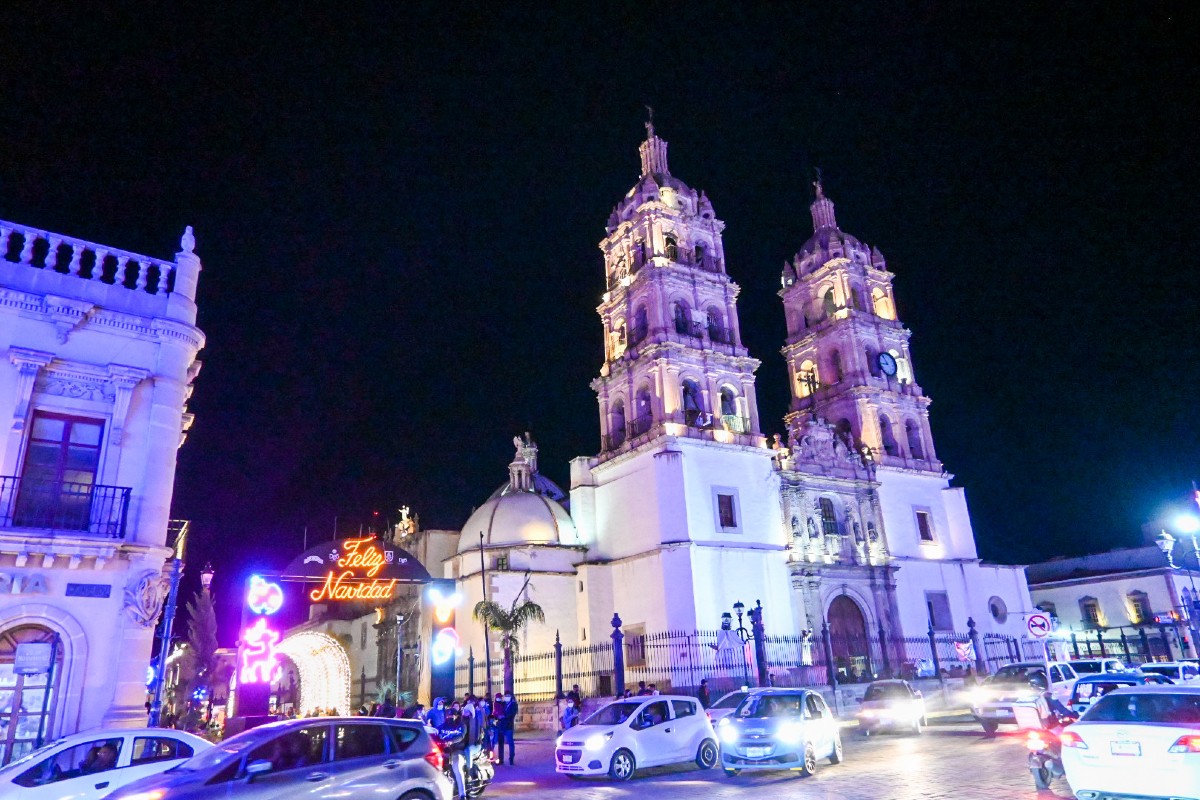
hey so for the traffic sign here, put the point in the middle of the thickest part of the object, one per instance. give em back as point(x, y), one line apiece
point(1038, 626)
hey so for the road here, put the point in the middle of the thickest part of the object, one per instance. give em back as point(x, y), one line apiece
point(948, 761)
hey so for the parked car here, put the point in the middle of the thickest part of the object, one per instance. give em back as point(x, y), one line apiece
point(779, 729)
point(1024, 681)
point(725, 706)
point(1177, 671)
point(1096, 666)
point(624, 736)
point(1136, 742)
point(95, 763)
point(1091, 688)
point(343, 757)
point(891, 705)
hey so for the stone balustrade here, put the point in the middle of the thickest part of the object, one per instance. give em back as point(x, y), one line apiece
point(88, 261)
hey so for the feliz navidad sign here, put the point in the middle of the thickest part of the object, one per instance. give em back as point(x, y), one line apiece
point(349, 570)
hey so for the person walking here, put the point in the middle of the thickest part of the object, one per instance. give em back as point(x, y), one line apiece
point(437, 714)
point(575, 696)
point(506, 730)
point(570, 716)
point(703, 695)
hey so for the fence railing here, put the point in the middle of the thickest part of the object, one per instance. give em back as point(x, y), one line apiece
point(59, 506)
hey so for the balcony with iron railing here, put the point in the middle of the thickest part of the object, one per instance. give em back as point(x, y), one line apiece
point(58, 507)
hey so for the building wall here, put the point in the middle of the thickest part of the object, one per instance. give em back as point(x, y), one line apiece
point(969, 586)
point(1112, 593)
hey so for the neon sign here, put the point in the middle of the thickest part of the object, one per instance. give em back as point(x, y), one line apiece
point(259, 660)
point(356, 575)
point(264, 597)
point(445, 645)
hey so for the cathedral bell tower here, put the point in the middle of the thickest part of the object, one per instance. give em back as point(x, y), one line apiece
point(674, 362)
point(847, 353)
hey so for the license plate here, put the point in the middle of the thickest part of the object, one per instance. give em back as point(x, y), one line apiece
point(1125, 748)
point(568, 758)
point(757, 752)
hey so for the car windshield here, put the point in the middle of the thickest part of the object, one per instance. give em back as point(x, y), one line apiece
point(1170, 672)
point(1024, 674)
point(887, 691)
point(613, 714)
point(32, 754)
point(1088, 667)
point(765, 706)
point(1179, 709)
point(219, 755)
point(730, 700)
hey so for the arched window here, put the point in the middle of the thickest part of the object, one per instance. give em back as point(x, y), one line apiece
point(883, 306)
point(855, 299)
point(639, 254)
point(844, 431)
point(643, 411)
point(641, 325)
point(828, 303)
point(700, 257)
point(18, 732)
point(672, 248)
point(716, 327)
point(913, 432)
point(829, 523)
point(888, 437)
point(807, 379)
point(1139, 607)
point(872, 362)
point(835, 360)
point(616, 423)
point(1089, 611)
point(728, 402)
point(693, 407)
point(683, 321)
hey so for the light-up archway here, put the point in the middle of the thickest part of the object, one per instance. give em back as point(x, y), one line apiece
point(324, 671)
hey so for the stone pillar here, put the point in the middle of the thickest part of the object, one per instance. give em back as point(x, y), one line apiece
point(145, 591)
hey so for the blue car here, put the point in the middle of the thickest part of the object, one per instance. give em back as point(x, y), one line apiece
point(779, 729)
point(1090, 688)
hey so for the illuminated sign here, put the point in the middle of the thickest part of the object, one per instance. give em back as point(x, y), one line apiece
point(264, 597)
point(355, 573)
point(259, 659)
point(445, 637)
point(445, 645)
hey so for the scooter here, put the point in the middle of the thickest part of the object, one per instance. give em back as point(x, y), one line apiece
point(476, 775)
point(1045, 757)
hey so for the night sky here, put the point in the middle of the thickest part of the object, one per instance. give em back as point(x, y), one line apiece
point(398, 214)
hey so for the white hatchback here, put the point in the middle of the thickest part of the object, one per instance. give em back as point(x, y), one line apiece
point(96, 763)
point(1176, 671)
point(1142, 741)
point(626, 735)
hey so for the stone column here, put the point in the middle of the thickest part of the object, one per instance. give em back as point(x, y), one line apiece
point(145, 591)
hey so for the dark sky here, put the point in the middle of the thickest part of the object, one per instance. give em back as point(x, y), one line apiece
point(398, 213)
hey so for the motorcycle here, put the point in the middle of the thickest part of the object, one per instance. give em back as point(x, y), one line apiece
point(1042, 740)
point(477, 774)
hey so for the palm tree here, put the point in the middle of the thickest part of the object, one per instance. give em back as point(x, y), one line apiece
point(509, 622)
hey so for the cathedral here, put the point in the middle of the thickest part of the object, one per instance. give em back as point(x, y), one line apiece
point(687, 508)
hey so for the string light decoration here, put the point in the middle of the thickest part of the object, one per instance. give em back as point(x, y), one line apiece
point(324, 671)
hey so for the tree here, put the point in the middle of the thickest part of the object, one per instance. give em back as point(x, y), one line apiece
point(509, 622)
point(201, 652)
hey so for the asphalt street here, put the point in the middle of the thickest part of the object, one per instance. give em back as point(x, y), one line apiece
point(948, 761)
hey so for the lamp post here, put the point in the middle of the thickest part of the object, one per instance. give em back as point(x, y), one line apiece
point(1166, 542)
point(164, 646)
point(206, 576)
point(739, 608)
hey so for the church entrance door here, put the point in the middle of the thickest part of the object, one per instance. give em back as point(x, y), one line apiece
point(848, 640)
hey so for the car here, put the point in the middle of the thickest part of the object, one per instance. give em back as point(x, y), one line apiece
point(891, 705)
point(725, 706)
point(1142, 741)
point(1022, 682)
point(1091, 688)
point(774, 729)
point(343, 757)
point(95, 763)
point(1096, 666)
point(1177, 671)
point(627, 735)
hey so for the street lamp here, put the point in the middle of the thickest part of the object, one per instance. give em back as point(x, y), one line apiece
point(206, 576)
point(1186, 524)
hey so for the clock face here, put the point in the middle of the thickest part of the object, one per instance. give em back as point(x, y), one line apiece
point(887, 363)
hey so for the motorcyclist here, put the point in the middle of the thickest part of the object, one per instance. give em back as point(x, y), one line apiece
point(452, 733)
point(1055, 716)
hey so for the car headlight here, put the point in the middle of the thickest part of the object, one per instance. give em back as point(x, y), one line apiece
point(979, 696)
point(791, 732)
point(558, 742)
point(153, 794)
point(728, 733)
point(597, 740)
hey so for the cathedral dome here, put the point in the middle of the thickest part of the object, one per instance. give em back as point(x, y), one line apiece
point(526, 510)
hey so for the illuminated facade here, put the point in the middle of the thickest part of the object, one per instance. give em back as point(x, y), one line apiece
point(99, 353)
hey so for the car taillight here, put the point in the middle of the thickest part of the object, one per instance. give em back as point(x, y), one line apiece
point(434, 757)
point(1072, 739)
point(1034, 741)
point(1186, 744)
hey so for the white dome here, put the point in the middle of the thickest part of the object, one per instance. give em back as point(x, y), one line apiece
point(518, 518)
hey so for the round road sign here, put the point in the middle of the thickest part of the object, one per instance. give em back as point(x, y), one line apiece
point(1038, 626)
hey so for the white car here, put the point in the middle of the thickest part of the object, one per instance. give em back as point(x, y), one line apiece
point(1177, 671)
point(1097, 666)
point(1143, 741)
point(1022, 682)
point(627, 735)
point(725, 706)
point(97, 762)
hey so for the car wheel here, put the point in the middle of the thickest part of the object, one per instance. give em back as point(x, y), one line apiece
point(810, 762)
point(917, 726)
point(732, 773)
point(416, 794)
point(706, 756)
point(1041, 777)
point(622, 766)
point(990, 727)
point(837, 756)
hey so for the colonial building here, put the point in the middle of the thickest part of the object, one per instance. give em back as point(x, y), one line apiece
point(99, 352)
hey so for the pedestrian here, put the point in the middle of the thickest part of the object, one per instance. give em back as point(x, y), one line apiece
point(437, 715)
point(703, 696)
point(506, 730)
point(654, 689)
point(570, 716)
point(575, 696)
point(387, 708)
point(642, 690)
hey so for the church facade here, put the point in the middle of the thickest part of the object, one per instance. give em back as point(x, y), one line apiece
point(687, 508)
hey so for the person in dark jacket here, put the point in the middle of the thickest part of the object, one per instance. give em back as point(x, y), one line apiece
point(437, 714)
point(703, 695)
point(506, 730)
point(387, 708)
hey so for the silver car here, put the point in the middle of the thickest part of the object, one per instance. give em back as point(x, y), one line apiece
point(350, 757)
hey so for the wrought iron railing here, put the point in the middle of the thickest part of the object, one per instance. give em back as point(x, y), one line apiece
point(85, 508)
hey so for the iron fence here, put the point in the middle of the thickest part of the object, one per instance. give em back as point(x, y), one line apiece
point(60, 506)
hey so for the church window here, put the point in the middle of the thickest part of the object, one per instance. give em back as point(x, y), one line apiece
point(716, 330)
point(913, 431)
point(728, 518)
point(1139, 608)
point(888, 437)
point(938, 605)
point(683, 322)
point(829, 523)
point(924, 525)
point(855, 298)
point(1089, 611)
point(844, 431)
point(639, 254)
point(835, 360)
point(872, 362)
point(728, 402)
point(883, 306)
point(616, 424)
point(807, 380)
point(672, 248)
point(699, 256)
point(693, 408)
point(726, 509)
point(828, 304)
point(998, 609)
